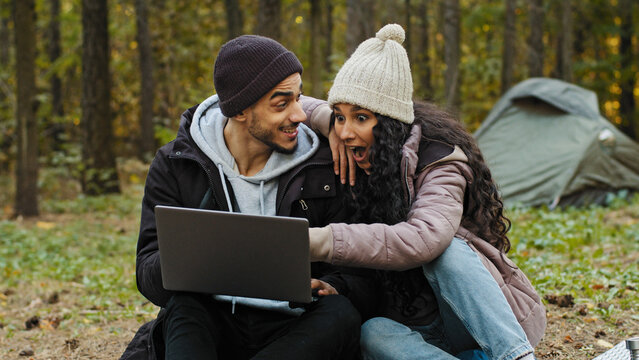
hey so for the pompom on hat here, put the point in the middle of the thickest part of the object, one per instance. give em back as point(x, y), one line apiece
point(377, 77)
point(247, 68)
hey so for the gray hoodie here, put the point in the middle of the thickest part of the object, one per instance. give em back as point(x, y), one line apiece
point(253, 194)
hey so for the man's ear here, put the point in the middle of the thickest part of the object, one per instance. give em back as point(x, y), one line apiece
point(241, 116)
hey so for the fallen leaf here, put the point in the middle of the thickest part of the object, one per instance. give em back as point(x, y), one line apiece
point(32, 322)
point(26, 352)
point(72, 344)
point(600, 333)
point(568, 339)
point(45, 225)
point(597, 287)
point(560, 300)
point(604, 344)
point(53, 298)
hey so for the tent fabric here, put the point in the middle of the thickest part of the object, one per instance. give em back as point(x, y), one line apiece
point(546, 143)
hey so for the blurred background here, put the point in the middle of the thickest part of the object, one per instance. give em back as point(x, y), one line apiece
point(89, 87)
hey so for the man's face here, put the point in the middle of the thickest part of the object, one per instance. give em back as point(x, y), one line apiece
point(273, 120)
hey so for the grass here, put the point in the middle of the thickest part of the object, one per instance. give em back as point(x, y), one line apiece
point(589, 253)
point(75, 265)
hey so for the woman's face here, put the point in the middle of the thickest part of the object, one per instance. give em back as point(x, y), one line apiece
point(354, 125)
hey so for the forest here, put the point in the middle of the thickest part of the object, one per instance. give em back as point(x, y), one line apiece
point(84, 84)
point(90, 89)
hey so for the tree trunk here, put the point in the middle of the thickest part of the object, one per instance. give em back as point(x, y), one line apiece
point(360, 23)
point(327, 34)
point(627, 107)
point(535, 39)
point(147, 91)
point(407, 28)
point(55, 128)
point(423, 63)
point(565, 43)
point(4, 33)
point(315, 57)
point(269, 18)
point(26, 203)
point(451, 53)
point(100, 174)
point(234, 18)
point(508, 50)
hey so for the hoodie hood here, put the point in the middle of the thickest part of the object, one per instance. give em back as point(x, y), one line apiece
point(254, 194)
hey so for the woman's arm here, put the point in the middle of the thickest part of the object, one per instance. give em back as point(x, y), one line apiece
point(433, 220)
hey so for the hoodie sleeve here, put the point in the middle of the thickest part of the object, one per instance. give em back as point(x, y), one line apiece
point(433, 220)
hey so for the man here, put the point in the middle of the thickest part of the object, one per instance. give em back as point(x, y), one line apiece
point(246, 150)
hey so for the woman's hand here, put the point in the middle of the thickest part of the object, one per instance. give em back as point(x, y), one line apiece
point(343, 162)
point(323, 288)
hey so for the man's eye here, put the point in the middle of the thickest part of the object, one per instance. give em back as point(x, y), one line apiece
point(282, 104)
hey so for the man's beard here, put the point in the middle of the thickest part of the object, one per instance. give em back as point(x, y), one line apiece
point(266, 136)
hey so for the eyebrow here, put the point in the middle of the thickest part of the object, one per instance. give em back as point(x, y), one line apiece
point(284, 93)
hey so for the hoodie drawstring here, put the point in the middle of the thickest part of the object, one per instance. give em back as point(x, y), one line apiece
point(228, 202)
point(226, 191)
point(262, 197)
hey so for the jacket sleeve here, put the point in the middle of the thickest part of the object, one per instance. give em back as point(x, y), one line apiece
point(433, 220)
point(160, 188)
point(318, 114)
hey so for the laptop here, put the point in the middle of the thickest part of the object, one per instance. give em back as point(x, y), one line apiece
point(236, 254)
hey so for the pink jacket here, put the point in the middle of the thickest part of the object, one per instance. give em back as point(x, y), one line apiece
point(436, 192)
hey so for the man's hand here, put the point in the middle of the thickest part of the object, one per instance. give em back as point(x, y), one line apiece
point(323, 288)
point(343, 162)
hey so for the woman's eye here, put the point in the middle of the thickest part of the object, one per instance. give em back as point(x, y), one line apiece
point(362, 117)
point(339, 118)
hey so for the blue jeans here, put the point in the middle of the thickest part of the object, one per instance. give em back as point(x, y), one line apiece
point(473, 314)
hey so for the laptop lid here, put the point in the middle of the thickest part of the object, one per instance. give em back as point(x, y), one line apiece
point(235, 254)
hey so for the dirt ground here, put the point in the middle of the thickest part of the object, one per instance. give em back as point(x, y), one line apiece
point(571, 333)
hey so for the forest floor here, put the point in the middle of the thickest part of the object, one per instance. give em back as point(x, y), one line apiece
point(67, 281)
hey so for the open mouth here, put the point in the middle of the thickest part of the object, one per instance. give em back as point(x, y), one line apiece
point(359, 152)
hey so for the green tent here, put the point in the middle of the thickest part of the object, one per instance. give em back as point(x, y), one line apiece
point(546, 143)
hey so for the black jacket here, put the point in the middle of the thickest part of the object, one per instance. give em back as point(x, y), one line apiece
point(181, 174)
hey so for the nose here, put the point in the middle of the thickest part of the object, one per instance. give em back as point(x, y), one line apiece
point(298, 115)
point(345, 131)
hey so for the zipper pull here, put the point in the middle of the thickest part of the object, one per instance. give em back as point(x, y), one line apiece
point(303, 203)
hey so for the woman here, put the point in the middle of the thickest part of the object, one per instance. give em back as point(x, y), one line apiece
point(426, 210)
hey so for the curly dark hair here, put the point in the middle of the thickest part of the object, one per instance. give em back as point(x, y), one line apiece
point(378, 197)
point(375, 197)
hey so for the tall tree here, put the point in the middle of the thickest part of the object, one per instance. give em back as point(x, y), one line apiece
point(26, 203)
point(565, 42)
point(147, 91)
point(360, 15)
point(452, 53)
point(269, 18)
point(327, 35)
point(508, 50)
point(535, 38)
point(407, 27)
point(55, 128)
point(316, 50)
point(627, 105)
point(234, 18)
point(424, 61)
point(97, 153)
point(4, 32)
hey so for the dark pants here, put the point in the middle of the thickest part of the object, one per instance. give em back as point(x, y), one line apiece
point(198, 327)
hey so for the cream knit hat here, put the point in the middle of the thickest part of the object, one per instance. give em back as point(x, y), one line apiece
point(377, 77)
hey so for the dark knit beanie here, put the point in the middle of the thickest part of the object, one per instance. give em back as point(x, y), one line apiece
point(248, 67)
